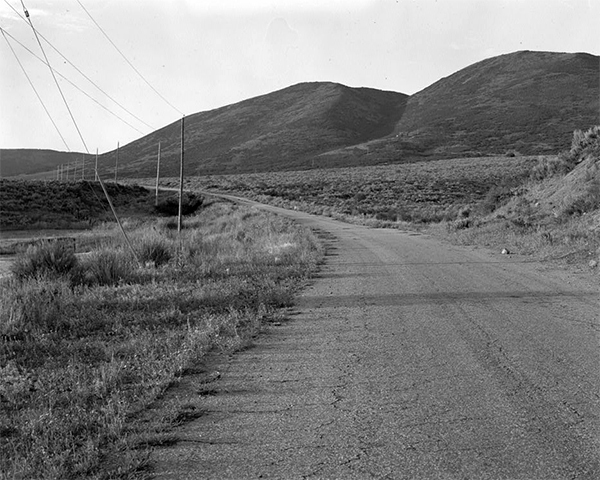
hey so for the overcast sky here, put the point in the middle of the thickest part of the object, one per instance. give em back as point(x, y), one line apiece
point(204, 54)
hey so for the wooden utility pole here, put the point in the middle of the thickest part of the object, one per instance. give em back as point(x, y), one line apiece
point(83, 167)
point(181, 178)
point(157, 175)
point(117, 163)
point(96, 168)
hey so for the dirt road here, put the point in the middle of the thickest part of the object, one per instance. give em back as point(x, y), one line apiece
point(408, 358)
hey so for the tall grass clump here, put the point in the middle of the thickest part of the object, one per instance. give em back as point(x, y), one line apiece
point(45, 259)
point(82, 355)
point(35, 305)
point(106, 266)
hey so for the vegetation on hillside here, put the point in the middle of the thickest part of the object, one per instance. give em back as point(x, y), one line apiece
point(87, 342)
point(556, 213)
point(28, 205)
point(418, 192)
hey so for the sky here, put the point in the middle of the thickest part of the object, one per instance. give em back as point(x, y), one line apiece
point(197, 55)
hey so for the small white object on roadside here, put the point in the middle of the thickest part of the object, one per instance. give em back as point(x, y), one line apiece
point(505, 251)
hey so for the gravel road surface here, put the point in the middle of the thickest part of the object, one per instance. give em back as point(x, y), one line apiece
point(407, 358)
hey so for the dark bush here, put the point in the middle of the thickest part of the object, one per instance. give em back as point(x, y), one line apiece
point(387, 214)
point(190, 203)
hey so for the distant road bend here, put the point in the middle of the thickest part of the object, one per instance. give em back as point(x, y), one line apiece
point(408, 358)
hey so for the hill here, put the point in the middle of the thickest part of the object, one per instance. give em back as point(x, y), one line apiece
point(18, 161)
point(519, 103)
point(526, 101)
point(278, 131)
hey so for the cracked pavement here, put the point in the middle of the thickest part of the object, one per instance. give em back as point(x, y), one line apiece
point(407, 358)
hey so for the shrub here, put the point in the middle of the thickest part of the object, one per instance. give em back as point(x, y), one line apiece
point(582, 145)
point(105, 267)
point(459, 224)
point(45, 259)
point(155, 251)
point(388, 214)
point(551, 166)
point(585, 142)
point(190, 203)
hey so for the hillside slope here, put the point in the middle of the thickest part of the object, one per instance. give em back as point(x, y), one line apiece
point(278, 131)
point(526, 101)
point(17, 161)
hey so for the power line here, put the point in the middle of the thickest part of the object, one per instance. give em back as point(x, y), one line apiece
point(130, 64)
point(81, 73)
point(54, 77)
point(73, 84)
point(34, 89)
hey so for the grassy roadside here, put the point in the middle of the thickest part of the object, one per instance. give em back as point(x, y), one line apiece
point(87, 345)
point(553, 215)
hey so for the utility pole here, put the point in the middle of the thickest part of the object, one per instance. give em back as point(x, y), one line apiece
point(96, 168)
point(157, 175)
point(117, 163)
point(181, 178)
point(83, 167)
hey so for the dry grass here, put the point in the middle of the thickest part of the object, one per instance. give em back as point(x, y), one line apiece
point(81, 354)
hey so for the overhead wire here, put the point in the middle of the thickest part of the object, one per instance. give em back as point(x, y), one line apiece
point(34, 89)
point(73, 84)
point(54, 77)
point(127, 60)
point(82, 73)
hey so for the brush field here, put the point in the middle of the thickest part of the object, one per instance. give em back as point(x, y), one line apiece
point(420, 192)
point(39, 205)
